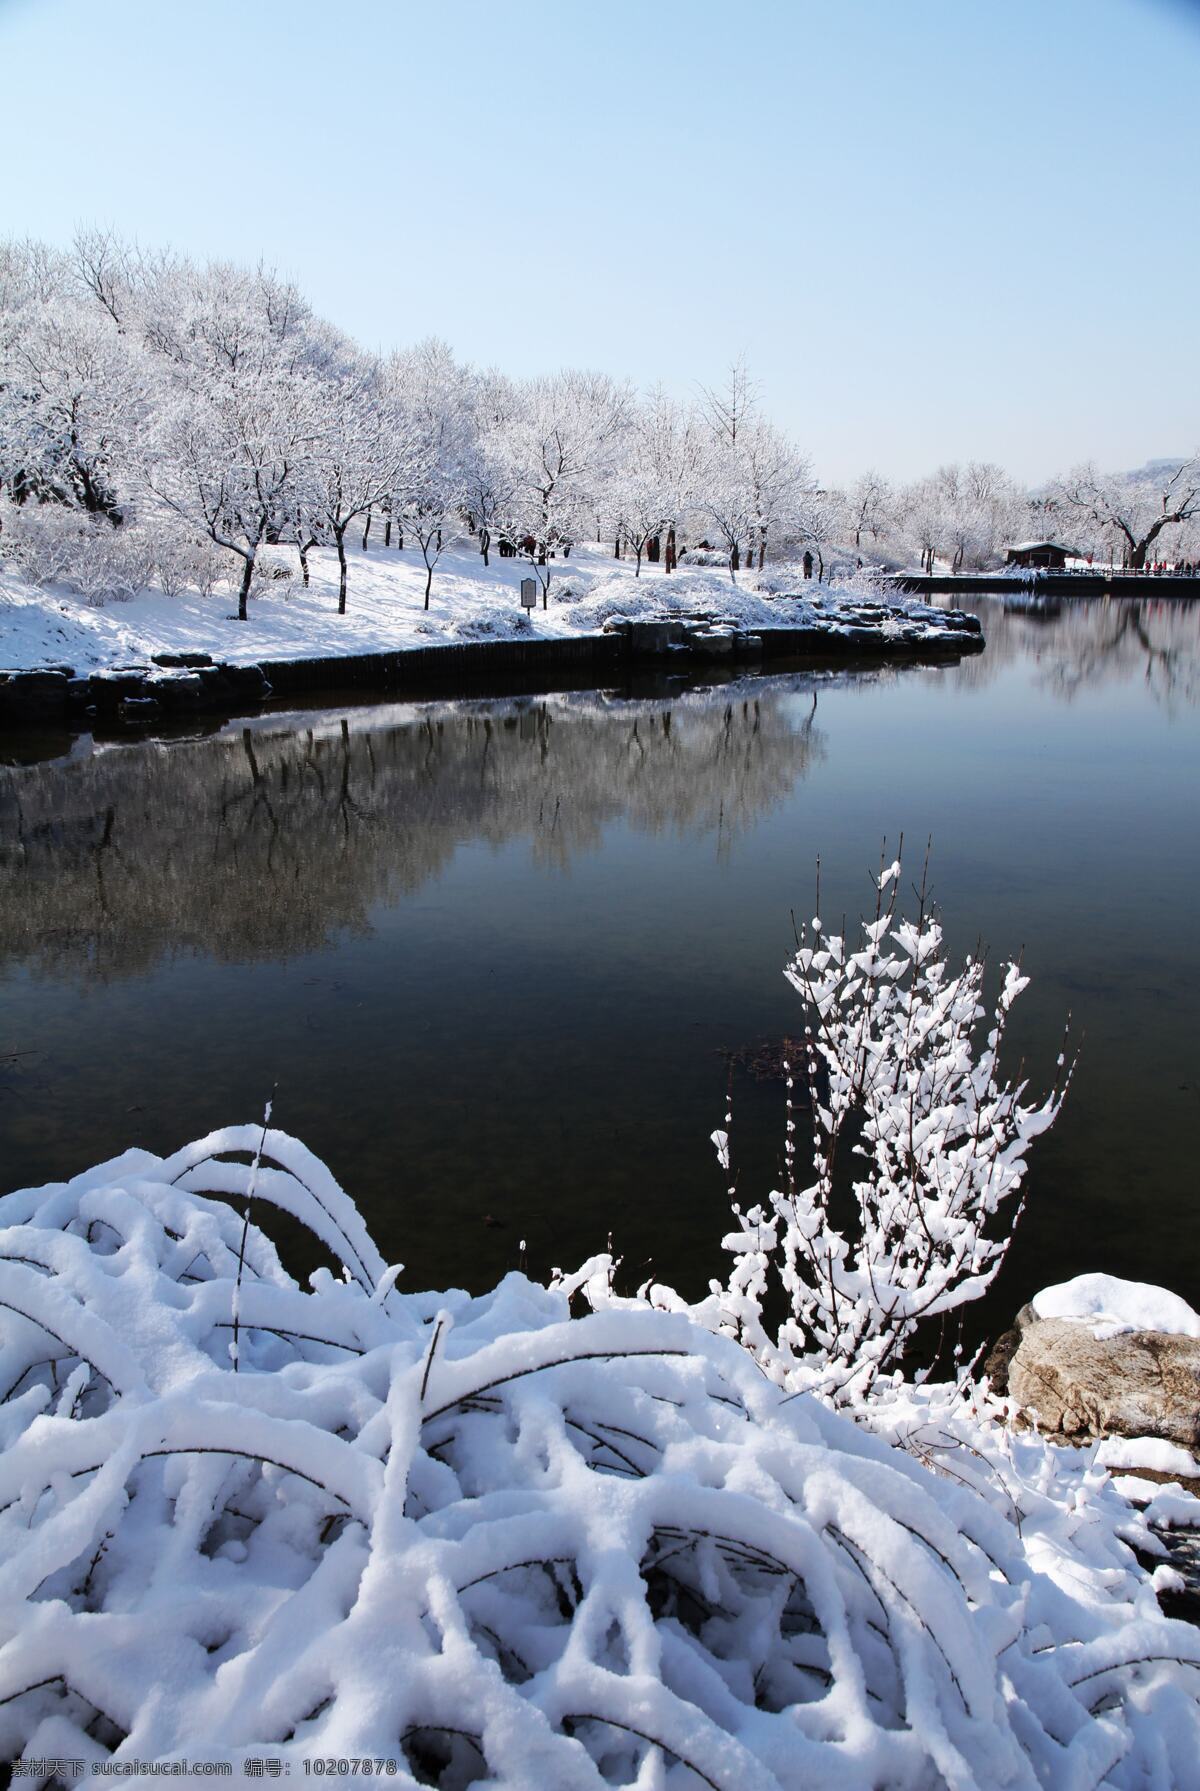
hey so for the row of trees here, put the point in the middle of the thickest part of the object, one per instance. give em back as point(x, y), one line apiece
point(962, 516)
point(162, 422)
point(176, 419)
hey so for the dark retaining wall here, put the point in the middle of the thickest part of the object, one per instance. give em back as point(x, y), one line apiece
point(446, 667)
point(501, 662)
point(1058, 584)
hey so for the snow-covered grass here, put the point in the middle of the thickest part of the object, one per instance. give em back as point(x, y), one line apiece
point(498, 1544)
point(385, 608)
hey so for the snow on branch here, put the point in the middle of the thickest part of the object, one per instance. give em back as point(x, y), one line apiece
point(494, 1542)
point(918, 1155)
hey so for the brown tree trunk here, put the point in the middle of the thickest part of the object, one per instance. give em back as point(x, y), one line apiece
point(428, 582)
point(671, 555)
point(366, 531)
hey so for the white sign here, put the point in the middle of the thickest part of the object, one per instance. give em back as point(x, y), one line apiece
point(529, 593)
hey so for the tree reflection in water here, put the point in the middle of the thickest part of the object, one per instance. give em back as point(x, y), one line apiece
point(260, 841)
point(1083, 642)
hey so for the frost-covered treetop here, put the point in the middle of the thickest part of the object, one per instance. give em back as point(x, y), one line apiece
point(500, 1545)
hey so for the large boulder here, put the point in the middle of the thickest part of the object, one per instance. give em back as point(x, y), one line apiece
point(1102, 1357)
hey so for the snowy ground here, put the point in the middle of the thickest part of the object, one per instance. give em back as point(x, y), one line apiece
point(385, 609)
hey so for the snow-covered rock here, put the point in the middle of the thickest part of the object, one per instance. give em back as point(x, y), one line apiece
point(1111, 1306)
point(1101, 1356)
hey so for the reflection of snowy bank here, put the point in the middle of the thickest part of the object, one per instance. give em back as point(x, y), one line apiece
point(478, 1536)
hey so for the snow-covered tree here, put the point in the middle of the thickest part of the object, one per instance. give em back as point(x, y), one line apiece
point(822, 524)
point(655, 478)
point(730, 407)
point(728, 505)
point(780, 480)
point(921, 513)
point(666, 456)
point(1133, 508)
point(73, 397)
point(489, 475)
point(559, 442)
point(356, 461)
point(439, 448)
point(868, 507)
point(242, 413)
point(754, 483)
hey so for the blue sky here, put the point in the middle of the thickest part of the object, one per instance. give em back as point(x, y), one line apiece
point(936, 228)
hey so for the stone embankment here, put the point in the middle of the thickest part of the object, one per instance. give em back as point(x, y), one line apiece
point(843, 631)
point(168, 688)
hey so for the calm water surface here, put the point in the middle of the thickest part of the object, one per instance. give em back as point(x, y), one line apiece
point(495, 954)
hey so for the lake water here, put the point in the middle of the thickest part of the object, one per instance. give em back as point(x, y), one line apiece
point(495, 955)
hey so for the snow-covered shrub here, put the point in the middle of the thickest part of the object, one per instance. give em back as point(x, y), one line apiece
point(497, 1544)
point(44, 541)
point(868, 584)
point(269, 572)
point(54, 544)
point(686, 594)
point(896, 1072)
point(781, 581)
point(895, 1076)
point(491, 621)
point(181, 564)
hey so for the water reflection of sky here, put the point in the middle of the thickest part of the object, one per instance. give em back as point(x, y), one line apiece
point(492, 953)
